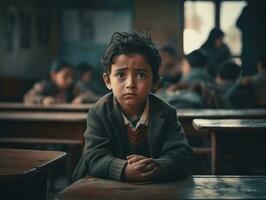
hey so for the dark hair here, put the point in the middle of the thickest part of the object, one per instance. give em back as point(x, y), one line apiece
point(214, 34)
point(127, 43)
point(83, 68)
point(167, 49)
point(197, 59)
point(228, 70)
point(57, 66)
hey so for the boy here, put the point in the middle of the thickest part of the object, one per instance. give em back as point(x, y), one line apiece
point(193, 68)
point(131, 134)
point(58, 88)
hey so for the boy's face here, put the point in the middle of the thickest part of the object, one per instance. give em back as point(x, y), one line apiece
point(63, 78)
point(130, 80)
point(86, 77)
point(185, 67)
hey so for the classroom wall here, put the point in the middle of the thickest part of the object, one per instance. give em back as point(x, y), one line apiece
point(28, 39)
point(159, 18)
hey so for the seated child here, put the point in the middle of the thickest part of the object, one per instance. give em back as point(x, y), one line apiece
point(59, 88)
point(193, 68)
point(85, 83)
point(226, 75)
point(131, 134)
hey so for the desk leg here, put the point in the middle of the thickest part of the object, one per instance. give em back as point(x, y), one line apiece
point(213, 154)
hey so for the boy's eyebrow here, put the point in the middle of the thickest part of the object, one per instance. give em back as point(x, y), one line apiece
point(142, 69)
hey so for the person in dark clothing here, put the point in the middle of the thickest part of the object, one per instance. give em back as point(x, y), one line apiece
point(226, 76)
point(216, 50)
point(193, 68)
point(131, 134)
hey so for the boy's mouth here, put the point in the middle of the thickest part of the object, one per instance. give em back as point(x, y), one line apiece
point(129, 95)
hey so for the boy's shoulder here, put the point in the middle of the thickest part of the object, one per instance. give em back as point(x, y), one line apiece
point(159, 104)
point(104, 104)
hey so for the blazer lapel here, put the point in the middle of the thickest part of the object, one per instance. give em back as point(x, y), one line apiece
point(156, 121)
point(116, 120)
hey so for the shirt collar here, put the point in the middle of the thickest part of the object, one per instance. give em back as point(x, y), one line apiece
point(144, 119)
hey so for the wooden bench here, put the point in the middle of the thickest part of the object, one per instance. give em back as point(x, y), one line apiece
point(23, 173)
point(196, 187)
point(219, 127)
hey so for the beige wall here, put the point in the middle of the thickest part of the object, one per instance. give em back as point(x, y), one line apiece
point(159, 18)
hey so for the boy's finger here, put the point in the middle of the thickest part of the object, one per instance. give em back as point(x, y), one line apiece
point(145, 161)
point(131, 156)
point(135, 159)
point(150, 167)
point(150, 173)
point(139, 167)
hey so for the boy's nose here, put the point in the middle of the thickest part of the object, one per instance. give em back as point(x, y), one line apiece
point(130, 82)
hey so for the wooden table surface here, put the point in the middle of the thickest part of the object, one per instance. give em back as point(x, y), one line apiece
point(19, 162)
point(6, 106)
point(42, 116)
point(229, 124)
point(222, 113)
point(196, 187)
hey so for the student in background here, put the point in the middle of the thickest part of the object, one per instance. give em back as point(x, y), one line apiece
point(225, 78)
point(193, 68)
point(258, 81)
point(131, 134)
point(85, 84)
point(169, 71)
point(59, 88)
point(216, 50)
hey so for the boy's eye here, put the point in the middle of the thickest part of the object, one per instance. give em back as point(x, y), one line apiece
point(120, 75)
point(141, 75)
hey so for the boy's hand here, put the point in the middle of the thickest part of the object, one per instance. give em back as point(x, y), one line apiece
point(47, 101)
point(77, 100)
point(141, 168)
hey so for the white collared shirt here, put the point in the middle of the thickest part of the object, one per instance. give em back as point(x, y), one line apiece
point(144, 119)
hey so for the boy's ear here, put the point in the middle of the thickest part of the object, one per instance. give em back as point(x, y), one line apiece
point(106, 78)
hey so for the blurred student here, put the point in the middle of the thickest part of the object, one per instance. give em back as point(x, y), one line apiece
point(169, 71)
point(85, 84)
point(58, 88)
point(258, 81)
point(250, 91)
point(193, 68)
point(226, 75)
point(216, 50)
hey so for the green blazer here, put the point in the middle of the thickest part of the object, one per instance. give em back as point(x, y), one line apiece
point(104, 154)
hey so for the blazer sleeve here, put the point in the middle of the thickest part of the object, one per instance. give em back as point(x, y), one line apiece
point(176, 155)
point(97, 159)
point(36, 94)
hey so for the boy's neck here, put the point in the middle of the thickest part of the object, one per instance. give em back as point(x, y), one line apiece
point(133, 113)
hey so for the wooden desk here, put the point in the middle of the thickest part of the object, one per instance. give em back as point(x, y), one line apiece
point(52, 108)
point(54, 127)
point(23, 173)
point(218, 127)
point(197, 187)
point(186, 116)
point(19, 127)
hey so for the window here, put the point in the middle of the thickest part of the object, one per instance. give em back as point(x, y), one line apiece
point(199, 20)
point(230, 12)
